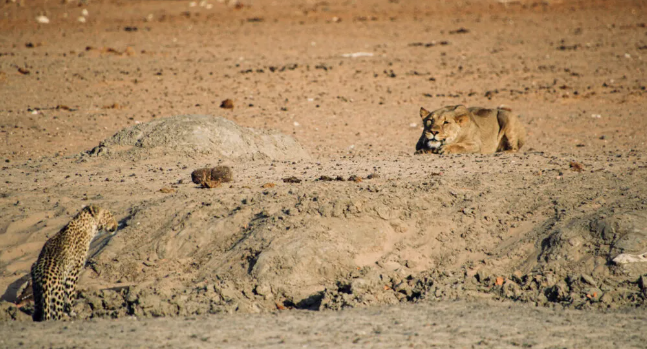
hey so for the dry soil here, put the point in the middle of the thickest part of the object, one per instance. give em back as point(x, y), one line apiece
point(117, 102)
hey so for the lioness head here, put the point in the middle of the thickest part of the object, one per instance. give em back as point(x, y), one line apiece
point(443, 126)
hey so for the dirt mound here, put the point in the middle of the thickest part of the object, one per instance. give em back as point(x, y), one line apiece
point(196, 135)
point(333, 245)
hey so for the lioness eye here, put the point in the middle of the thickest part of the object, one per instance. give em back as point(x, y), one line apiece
point(446, 122)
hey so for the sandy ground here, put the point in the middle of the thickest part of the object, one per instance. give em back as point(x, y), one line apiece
point(444, 325)
point(540, 227)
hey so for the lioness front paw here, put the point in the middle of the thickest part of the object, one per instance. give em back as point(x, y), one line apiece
point(450, 149)
point(425, 151)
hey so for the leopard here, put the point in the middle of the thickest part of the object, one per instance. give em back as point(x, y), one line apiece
point(55, 273)
point(460, 130)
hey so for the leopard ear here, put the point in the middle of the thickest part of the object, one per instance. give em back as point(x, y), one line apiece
point(424, 112)
point(92, 209)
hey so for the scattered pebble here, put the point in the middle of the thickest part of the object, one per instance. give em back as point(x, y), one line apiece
point(355, 178)
point(291, 180)
point(357, 54)
point(42, 19)
point(268, 185)
point(459, 31)
point(64, 107)
point(576, 166)
point(167, 190)
point(227, 104)
point(112, 106)
point(596, 116)
point(330, 179)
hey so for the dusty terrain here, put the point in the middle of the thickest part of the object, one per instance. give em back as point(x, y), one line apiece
point(539, 228)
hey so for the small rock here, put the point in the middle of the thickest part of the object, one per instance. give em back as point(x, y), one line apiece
point(606, 298)
point(167, 190)
point(227, 104)
point(292, 179)
point(459, 31)
point(576, 166)
point(42, 19)
point(517, 276)
point(588, 279)
point(355, 178)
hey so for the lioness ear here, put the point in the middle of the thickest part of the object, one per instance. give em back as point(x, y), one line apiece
point(424, 112)
point(462, 119)
point(461, 109)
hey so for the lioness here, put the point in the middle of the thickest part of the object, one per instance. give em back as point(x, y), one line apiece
point(457, 129)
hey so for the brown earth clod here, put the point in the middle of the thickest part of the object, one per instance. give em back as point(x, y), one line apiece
point(212, 177)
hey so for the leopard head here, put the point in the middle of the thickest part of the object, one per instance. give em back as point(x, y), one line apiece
point(443, 126)
point(105, 220)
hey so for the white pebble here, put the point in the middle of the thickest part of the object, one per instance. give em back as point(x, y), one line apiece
point(596, 116)
point(42, 19)
point(81, 19)
point(85, 12)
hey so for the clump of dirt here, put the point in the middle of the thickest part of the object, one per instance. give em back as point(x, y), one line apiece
point(212, 177)
point(197, 135)
point(227, 104)
point(355, 178)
